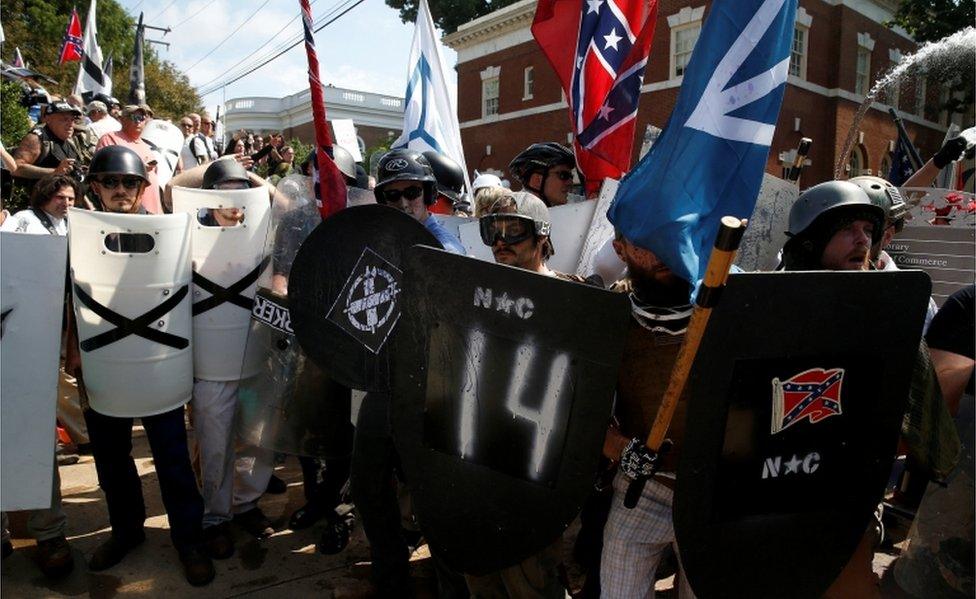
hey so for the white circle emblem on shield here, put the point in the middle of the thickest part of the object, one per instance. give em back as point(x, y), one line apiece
point(371, 299)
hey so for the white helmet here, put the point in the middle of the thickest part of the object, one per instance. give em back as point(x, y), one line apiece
point(484, 180)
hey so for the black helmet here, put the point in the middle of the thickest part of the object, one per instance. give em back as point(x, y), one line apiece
point(223, 170)
point(449, 175)
point(886, 196)
point(362, 177)
point(117, 160)
point(107, 99)
point(540, 157)
point(830, 197)
point(405, 165)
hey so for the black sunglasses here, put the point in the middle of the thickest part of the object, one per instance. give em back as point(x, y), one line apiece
point(511, 229)
point(411, 193)
point(126, 182)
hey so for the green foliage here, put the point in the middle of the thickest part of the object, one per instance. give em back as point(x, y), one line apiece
point(15, 123)
point(37, 28)
point(448, 15)
point(932, 20)
point(302, 150)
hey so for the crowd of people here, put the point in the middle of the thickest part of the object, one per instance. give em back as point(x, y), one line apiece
point(837, 225)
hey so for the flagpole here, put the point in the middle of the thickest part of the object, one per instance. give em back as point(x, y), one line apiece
point(323, 139)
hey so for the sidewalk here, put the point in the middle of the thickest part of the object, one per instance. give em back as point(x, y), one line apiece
point(284, 565)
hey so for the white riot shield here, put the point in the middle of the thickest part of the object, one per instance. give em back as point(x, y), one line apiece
point(166, 141)
point(31, 307)
point(132, 310)
point(228, 265)
point(598, 256)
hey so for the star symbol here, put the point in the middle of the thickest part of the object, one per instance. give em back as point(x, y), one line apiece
point(579, 61)
point(793, 465)
point(612, 39)
point(605, 111)
point(594, 6)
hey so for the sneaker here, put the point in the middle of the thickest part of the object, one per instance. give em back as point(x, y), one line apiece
point(276, 486)
point(217, 542)
point(255, 523)
point(197, 567)
point(54, 557)
point(305, 516)
point(113, 551)
point(335, 536)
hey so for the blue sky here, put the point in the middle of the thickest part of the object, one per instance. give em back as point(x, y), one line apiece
point(366, 49)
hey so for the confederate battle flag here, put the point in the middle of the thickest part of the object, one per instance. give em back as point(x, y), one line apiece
point(601, 70)
point(813, 394)
point(73, 44)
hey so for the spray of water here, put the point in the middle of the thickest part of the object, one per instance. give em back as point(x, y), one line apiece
point(944, 59)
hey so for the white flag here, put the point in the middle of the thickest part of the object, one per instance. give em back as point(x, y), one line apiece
point(91, 77)
point(429, 117)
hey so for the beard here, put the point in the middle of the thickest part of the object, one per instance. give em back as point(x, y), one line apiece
point(659, 287)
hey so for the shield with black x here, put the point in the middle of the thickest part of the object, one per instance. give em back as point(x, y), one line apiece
point(125, 326)
point(231, 293)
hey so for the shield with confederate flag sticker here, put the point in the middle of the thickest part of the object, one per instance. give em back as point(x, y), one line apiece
point(795, 408)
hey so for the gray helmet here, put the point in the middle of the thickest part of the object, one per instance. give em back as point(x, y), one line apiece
point(886, 196)
point(344, 160)
point(405, 165)
point(830, 197)
point(117, 160)
point(223, 170)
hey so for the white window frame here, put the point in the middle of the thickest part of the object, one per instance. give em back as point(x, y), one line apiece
point(490, 77)
point(528, 83)
point(918, 106)
point(862, 79)
point(685, 19)
point(894, 90)
point(802, 23)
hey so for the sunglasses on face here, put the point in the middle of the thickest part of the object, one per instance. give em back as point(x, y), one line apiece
point(510, 229)
point(563, 175)
point(410, 193)
point(114, 182)
point(137, 118)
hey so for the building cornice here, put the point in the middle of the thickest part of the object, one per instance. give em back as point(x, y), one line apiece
point(504, 20)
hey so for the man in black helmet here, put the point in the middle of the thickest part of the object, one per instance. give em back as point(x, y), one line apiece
point(545, 169)
point(833, 226)
point(450, 184)
point(49, 149)
point(118, 178)
point(407, 183)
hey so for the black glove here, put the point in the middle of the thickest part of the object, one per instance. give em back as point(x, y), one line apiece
point(637, 461)
point(950, 150)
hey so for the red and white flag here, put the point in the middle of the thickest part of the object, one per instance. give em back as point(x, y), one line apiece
point(601, 70)
point(73, 48)
point(18, 59)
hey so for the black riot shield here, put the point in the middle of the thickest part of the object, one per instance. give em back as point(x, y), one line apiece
point(503, 388)
point(796, 402)
point(345, 290)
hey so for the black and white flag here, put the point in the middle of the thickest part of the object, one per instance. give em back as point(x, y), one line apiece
point(137, 76)
point(92, 78)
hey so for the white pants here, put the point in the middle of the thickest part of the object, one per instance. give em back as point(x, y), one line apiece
point(634, 541)
point(230, 486)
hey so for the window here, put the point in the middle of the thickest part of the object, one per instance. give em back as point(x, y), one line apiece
point(682, 43)
point(893, 91)
point(862, 83)
point(944, 96)
point(855, 163)
point(528, 83)
point(798, 52)
point(489, 91)
point(885, 166)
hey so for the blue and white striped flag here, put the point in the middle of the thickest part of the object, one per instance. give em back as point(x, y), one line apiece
point(429, 116)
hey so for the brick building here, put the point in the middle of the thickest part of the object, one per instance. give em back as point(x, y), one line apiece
point(510, 97)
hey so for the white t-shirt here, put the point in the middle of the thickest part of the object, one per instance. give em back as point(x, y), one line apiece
point(26, 221)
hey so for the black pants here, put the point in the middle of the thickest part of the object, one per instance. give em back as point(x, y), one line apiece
point(111, 440)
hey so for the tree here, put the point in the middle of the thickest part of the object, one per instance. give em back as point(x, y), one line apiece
point(932, 20)
point(37, 28)
point(448, 15)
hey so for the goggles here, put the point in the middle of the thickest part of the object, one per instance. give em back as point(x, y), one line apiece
point(510, 228)
point(114, 182)
point(411, 193)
